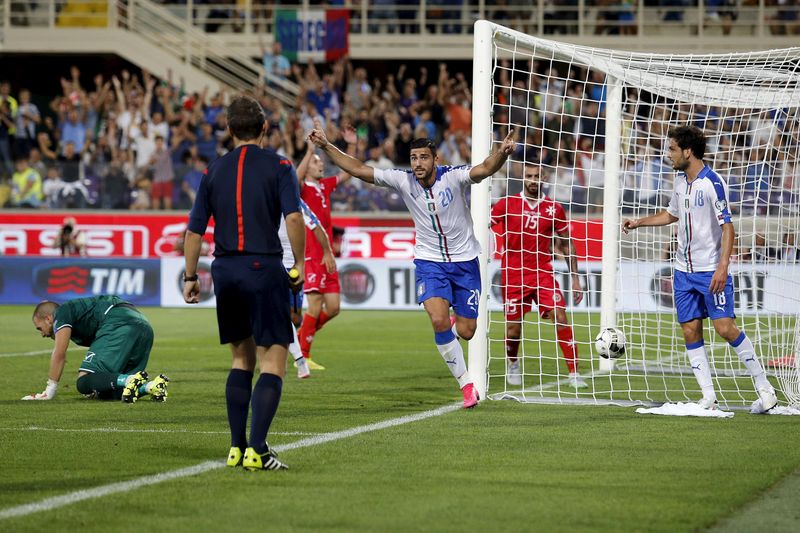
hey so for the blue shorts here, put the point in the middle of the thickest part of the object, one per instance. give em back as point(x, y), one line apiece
point(458, 283)
point(694, 300)
point(251, 299)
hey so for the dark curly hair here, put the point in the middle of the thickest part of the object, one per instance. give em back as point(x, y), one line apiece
point(690, 137)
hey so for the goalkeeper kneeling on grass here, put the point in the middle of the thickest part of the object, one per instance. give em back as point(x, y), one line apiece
point(119, 339)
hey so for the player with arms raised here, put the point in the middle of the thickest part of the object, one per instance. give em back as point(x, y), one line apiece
point(702, 286)
point(526, 225)
point(446, 251)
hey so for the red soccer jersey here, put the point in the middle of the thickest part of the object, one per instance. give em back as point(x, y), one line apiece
point(525, 230)
point(318, 199)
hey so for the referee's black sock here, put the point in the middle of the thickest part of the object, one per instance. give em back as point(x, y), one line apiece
point(237, 397)
point(266, 397)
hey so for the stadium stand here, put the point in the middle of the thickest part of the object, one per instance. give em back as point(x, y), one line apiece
point(92, 145)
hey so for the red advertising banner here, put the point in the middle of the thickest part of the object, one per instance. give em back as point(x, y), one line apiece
point(154, 235)
point(106, 234)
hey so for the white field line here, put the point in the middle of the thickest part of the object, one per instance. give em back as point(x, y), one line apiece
point(126, 486)
point(120, 430)
point(161, 344)
point(26, 354)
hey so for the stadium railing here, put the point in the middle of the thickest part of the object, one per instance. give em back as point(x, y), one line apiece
point(447, 24)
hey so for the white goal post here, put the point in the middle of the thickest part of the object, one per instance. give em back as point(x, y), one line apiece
point(596, 121)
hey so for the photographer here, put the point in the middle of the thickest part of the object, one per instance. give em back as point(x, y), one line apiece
point(70, 239)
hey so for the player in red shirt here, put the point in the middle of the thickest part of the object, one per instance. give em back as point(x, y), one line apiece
point(321, 287)
point(526, 226)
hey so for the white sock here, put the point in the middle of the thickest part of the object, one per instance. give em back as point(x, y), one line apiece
point(294, 347)
point(702, 370)
point(747, 354)
point(453, 356)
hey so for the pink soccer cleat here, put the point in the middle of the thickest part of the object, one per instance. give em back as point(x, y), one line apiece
point(470, 396)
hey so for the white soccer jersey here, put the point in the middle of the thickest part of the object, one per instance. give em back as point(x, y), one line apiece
point(701, 208)
point(311, 222)
point(441, 216)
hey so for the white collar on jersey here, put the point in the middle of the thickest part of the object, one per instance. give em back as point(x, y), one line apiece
point(532, 205)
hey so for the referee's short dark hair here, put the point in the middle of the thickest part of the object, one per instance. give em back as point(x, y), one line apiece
point(424, 143)
point(690, 137)
point(245, 118)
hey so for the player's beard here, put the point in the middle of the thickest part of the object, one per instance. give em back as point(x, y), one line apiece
point(533, 191)
point(682, 165)
point(424, 179)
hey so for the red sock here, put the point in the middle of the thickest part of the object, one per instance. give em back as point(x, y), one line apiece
point(512, 348)
point(323, 319)
point(306, 334)
point(568, 347)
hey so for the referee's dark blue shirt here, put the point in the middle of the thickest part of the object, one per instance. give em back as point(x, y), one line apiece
point(246, 191)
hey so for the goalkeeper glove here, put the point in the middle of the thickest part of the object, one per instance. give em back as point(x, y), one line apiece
point(48, 394)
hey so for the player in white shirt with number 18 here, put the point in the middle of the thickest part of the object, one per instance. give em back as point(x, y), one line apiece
point(702, 286)
point(446, 251)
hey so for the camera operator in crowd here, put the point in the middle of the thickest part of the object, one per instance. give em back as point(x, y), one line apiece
point(70, 239)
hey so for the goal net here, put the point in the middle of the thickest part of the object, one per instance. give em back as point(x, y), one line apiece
point(597, 120)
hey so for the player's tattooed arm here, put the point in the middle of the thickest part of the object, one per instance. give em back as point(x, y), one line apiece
point(495, 160)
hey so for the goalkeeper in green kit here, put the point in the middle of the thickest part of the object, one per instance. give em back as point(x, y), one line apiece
point(119, 339)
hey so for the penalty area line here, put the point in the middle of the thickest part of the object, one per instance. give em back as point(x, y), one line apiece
point(55, 502)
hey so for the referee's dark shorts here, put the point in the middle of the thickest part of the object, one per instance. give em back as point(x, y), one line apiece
point(251, 299)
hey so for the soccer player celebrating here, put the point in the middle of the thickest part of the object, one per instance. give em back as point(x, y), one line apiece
point(702, 286)
point(119, 339)
point(321, 286)
point(446, 251)
point(526, 225)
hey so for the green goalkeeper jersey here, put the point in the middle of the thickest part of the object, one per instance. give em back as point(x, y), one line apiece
point(85, 316)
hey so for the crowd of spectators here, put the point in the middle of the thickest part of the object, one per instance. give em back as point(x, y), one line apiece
point(137, 142)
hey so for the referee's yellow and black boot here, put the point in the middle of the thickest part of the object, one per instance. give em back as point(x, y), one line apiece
point(235, 457)
point(266, 461)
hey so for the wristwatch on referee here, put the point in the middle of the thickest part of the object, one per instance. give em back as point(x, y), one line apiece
point(189, 278)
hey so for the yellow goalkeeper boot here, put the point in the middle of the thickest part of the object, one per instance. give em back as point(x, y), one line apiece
point(130, 393)
point(158, 388)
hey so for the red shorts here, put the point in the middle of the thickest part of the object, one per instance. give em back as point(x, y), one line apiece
point(319, 280)
point(540, 288)
point(161, 190)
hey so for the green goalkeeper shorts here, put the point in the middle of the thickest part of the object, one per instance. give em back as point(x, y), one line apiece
point(122, 344)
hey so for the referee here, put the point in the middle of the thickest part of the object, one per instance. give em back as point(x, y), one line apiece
point(247, 191)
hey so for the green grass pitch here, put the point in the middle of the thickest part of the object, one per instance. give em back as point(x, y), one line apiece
point(503, 466)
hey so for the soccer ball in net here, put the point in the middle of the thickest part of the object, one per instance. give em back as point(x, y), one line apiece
point(610, 343)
